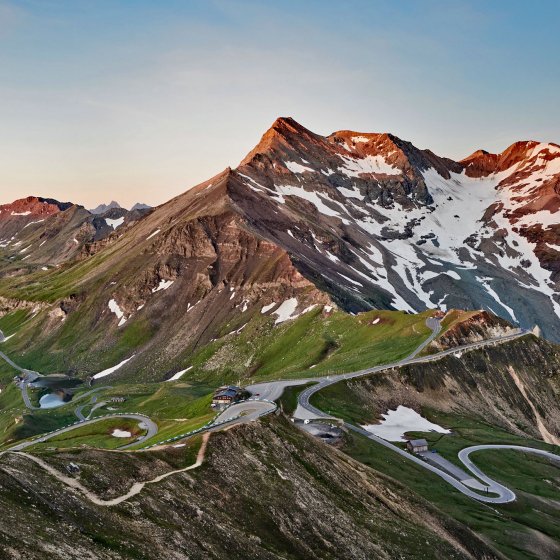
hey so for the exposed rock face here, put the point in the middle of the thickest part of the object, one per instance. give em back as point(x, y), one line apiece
point(469, 328)
point(479, 384)
point(305, 500)
point(8, 305)
point(378, 223)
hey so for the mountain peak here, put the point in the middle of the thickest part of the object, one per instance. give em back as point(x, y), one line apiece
point(287, 123)
point(102, 208)
point(476, 154)
point(522, 153)
point(140, 206)
point(285, 134)
point(34, 205)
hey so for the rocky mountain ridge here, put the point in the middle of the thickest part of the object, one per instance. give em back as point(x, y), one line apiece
point(407, 229)
point(351, 220)
point(48, 232)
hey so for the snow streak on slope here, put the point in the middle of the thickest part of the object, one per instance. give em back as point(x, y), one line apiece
point(384, 224)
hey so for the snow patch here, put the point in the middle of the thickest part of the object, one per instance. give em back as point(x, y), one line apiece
point(295, 167)
point(179, 374)
point(110, 370)
point(32, 223)
point(163, 285)
point(351, 193)
point(121, 433)
point(286, 310)
point(400, 421)
point(114, 307)
point(317, 199)
point(114, 223)
point(354, 167)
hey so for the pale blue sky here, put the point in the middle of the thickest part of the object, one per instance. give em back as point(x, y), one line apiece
point(139, 100)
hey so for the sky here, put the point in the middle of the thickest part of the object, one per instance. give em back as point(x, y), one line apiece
point(138, 100)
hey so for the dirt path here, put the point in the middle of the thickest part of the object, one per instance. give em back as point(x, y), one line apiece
point(136, 488)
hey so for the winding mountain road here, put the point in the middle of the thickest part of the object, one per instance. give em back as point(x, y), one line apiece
point(501, 494)
point(267, 392)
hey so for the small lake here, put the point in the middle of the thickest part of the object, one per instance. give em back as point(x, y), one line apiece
point(51, 400)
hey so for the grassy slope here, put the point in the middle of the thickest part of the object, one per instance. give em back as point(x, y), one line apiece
point(537, 482)
point(333, 343)
point(95, 435)
point(312, 345)
point(261, 350)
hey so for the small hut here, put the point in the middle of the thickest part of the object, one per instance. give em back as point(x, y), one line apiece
point(417, 445)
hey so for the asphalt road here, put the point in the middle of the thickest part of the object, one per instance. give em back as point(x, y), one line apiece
point(265, 393)
point(464, 457)
point(147, 423)
point(245, 411)
point(497, 493)
point(322, 382)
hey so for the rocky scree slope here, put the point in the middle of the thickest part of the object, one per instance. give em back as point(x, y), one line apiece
point(305, 500)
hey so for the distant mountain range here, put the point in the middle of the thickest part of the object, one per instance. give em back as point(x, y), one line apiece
point(102, 208)
point(351, 220)
point(47, 232)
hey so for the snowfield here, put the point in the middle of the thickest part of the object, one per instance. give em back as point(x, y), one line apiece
point(114, 223)
point(400, 421)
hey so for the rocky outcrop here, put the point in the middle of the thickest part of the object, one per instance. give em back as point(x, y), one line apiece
point(305, 500)
point(9, 305)
point(460, 328)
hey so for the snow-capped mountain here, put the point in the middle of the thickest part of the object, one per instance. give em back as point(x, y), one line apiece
point(44, 231)
point(376, 222)
point(354, 220)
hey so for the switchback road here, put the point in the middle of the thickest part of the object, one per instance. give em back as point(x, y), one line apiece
point(501, 494)
point(265, 393)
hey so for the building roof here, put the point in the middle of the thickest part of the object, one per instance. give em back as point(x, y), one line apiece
point(226, 393)
point(418, 442)
point(226, 387)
